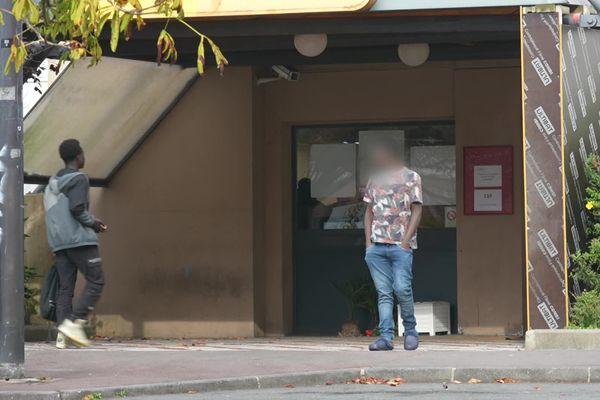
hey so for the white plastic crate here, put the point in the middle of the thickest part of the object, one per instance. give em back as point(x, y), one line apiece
point(432, 317)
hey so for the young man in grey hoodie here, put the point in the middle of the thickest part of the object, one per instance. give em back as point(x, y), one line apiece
point(72, 237)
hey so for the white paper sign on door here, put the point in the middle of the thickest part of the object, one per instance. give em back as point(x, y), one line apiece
point(488, 200)
point(488, 176)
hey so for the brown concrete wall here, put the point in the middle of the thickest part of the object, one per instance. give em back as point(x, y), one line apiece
point(490, 248)
point(330, 95)
point(486, 110)
point(179, 252)
point(200, 240)
point(37, 252)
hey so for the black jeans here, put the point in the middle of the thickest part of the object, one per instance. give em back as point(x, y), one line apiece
point(85, 259)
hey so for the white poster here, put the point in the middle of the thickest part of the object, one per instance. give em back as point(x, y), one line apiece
point(488, 200)
point(333, 170)
point(488, 176)
point(437, 167)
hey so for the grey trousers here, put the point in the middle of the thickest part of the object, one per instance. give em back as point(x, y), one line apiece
point(85, 259)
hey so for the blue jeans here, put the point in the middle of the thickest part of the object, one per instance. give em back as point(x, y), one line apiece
point(391, 269)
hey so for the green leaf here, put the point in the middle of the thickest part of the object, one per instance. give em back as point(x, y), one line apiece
point(77, 13)
point(136, 4)
point(20, 56)
point(125, 22)
point(220, 59)
point(101, 21)
point(140, 22)
point(1, 18)
point(19, 9)
point(34, 12)
point(7, 66)
point(201, 59)
point(11, 58)
point(114, 31)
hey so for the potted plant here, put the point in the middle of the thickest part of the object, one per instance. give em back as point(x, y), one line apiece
point(360, 294)
point(31, 294)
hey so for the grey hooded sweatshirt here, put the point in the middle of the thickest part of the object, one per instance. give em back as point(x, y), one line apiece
point(69, 223)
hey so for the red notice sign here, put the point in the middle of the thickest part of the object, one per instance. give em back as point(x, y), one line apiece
point(488, 180)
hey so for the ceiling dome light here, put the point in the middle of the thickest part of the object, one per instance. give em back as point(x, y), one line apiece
point(413, 54)
point(310, 45)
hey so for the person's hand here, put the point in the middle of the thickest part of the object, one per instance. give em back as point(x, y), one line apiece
point(405, 245)
point(368, 244)
point(99, 226)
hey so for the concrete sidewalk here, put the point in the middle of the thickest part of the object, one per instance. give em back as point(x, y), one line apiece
point(156, 367)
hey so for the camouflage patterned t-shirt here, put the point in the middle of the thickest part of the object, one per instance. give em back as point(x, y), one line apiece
point(391, 195)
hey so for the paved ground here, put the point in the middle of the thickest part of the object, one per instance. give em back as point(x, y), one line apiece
point(408, 391)
point(119, 364)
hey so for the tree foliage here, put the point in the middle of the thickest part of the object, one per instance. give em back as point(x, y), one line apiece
point(76, 27)
point(586, 270)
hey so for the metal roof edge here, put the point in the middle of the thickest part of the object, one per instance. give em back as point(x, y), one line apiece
point(397, 5)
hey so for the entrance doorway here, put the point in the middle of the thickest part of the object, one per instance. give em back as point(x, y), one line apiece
point(330, 174)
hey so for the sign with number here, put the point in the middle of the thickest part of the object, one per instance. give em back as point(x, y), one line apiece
point(488, 180)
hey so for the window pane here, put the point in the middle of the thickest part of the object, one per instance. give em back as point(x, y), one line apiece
point(325, 171)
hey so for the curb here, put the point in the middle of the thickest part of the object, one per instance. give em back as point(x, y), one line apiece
point(411, 375)
point(552, 339)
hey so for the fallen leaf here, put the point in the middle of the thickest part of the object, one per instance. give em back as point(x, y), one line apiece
point(456, 382)
point(328, 383)
point(396, 381)
point(289, 386)
point(378, 381)
point(474, 381)
point(505, 380)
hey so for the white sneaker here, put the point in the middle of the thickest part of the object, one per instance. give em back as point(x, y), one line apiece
point(74, 331)
point(61, 341)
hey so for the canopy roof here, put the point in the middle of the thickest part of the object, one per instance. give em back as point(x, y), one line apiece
point(110, 109)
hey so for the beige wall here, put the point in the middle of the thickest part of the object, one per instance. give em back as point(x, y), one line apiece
point(179, 252)
point(200, 240)
point(490, 248)
point(330, 95)
point(482, 98)
point(37, 252)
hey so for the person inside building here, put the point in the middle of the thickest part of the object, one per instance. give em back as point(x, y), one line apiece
point(394, 204)
point(72, 236)
point(311, 212)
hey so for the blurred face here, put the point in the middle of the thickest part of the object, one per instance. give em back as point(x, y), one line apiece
point(383, 158)
point(81, 160)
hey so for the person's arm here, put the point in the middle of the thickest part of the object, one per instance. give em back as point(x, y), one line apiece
point(78, 199)
point(416, 209)
point(368, 222)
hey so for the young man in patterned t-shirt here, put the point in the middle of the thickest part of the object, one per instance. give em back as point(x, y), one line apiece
point(394, 203)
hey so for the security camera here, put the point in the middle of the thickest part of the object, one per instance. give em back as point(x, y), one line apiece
point(286, 73)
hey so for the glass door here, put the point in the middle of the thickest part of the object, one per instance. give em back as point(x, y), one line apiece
point(330, 174)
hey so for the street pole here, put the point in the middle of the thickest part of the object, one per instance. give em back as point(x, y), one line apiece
point(12, 307)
